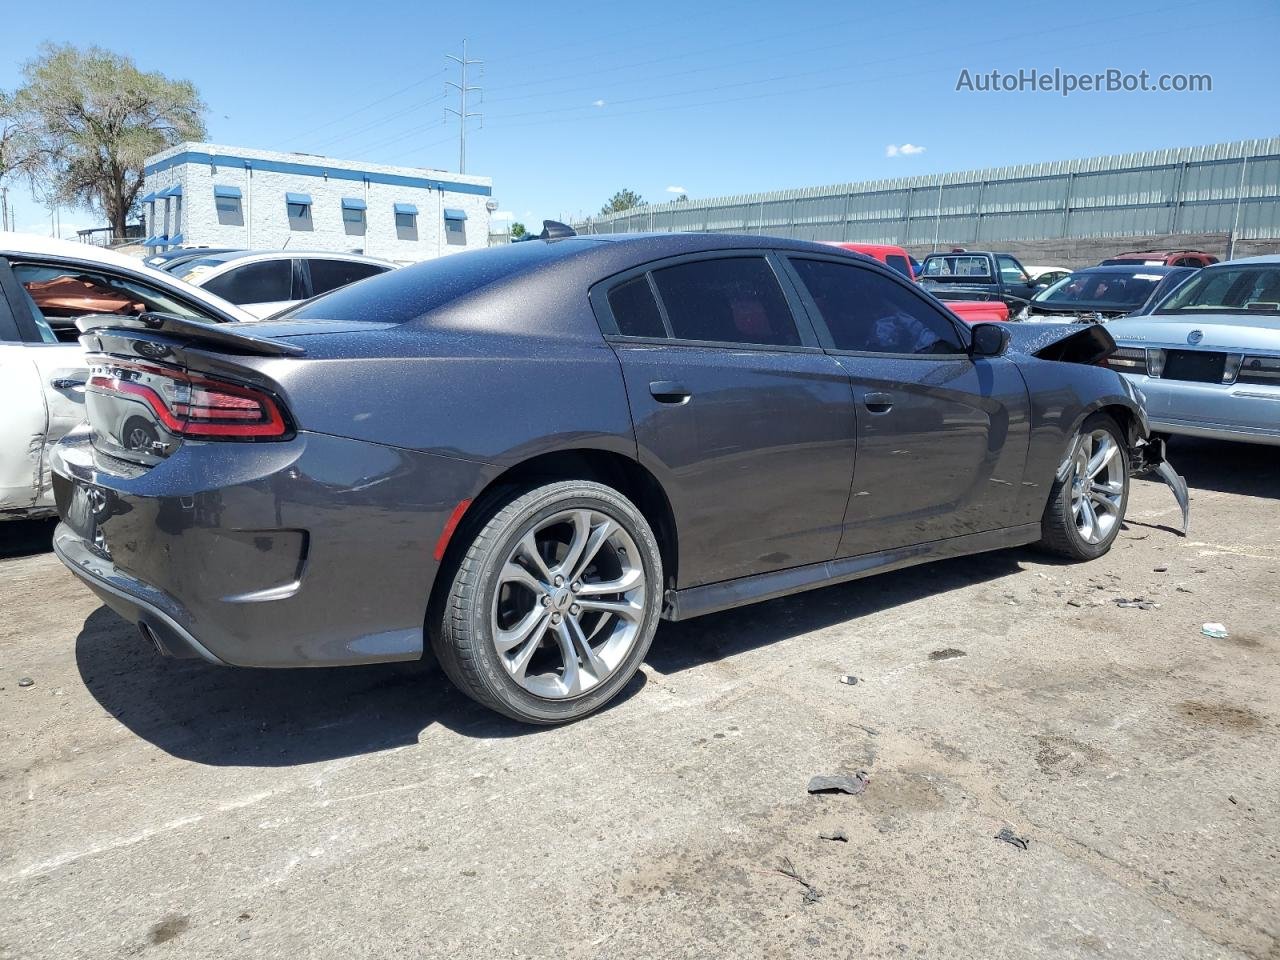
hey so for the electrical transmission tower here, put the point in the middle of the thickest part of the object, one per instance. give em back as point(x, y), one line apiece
point(461, 113)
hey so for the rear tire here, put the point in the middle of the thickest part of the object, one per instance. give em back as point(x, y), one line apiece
point(554, 603)
point(1086, 508)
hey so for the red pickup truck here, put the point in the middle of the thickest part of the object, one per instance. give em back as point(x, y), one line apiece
point(970, 311)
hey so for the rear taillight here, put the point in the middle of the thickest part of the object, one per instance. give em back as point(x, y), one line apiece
point(192, 405)
point(1128, 360)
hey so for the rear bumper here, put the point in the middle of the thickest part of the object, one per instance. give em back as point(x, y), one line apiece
point(316, 551)
point(1240, 411)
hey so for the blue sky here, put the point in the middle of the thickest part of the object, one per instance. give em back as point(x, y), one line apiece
point(583, 98)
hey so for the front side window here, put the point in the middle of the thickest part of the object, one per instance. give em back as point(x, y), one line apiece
point(736, 300)
point(58, 295)
point(1010, 271)
point(899, 263)
point(268, 281)
point(329, 275)
point(868, 312)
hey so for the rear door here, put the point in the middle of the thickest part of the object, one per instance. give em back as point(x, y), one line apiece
point(942, 437)
point(745, 421)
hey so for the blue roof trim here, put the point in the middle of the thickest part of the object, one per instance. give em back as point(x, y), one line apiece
point(407, 208)
point(453, 213)
point(353, 203)
point(314, 170)
point(304, 198)
point(149, 198)
point(228, 193)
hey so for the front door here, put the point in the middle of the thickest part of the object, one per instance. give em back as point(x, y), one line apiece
point(745, 421)
point(942, 437)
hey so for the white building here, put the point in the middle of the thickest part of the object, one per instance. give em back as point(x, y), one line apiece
point(209, 195)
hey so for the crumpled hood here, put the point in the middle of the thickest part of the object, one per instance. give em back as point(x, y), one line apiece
point(1066, 342)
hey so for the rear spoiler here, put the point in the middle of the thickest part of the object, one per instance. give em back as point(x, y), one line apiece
point(226, 338)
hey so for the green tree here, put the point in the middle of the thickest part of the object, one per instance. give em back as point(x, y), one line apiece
point(683, 198)
point(518, 230)
point(622, 200)
point(95, 118)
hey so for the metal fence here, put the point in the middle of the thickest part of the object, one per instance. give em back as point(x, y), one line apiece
point(1229, 188)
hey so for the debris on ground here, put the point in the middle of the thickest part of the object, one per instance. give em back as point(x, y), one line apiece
point(1181, 589)
point(839, 783)
point(1141, 603)
point(1215, 630)
point(950, 653)
point(25, 682)
point(849, 679)
point(1008, 836)
point(1232, 798)
point(842, 837)
point(811, 893)
point(1074, 603)
point(1161, 569)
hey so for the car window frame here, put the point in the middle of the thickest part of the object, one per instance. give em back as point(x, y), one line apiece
point(963, 334)
point(598, 296)
point(10, 285)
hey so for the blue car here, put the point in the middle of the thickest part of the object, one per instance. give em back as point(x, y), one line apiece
point(1207, 357)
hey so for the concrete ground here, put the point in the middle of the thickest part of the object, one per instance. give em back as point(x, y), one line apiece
point(169, 808)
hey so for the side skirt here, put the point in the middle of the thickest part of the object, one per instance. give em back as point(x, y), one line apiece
point(714, 597)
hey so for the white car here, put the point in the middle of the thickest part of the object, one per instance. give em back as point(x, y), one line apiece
point(264, 283)
point(1043, 276)
point(44, 285)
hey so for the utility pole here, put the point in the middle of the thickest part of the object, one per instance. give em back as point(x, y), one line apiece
point(461, 112)
point(4, 208)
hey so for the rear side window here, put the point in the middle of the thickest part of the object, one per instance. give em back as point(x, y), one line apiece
point(872, 313)
point(267, 281)
point(635, 309)
point(329, 275)
point(735, 300)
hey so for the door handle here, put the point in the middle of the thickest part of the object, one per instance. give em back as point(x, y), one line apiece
point(65, 383)
point(669, 391)
point(878, 402)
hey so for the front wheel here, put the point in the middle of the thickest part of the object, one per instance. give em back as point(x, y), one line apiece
point(554, 604)
point(1086, 508)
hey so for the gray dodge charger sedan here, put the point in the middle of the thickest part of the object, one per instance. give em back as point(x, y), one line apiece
point(524, 457)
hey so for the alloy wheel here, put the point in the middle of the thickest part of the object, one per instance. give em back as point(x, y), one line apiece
point(1097, 486)
point(569, 603)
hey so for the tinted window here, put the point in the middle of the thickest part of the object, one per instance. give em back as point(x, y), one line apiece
point(267, 281)
point(951, 265)
point(736, 300)
point(898, 263)
point(635, 310)
point(329, 275)
point(869, 312)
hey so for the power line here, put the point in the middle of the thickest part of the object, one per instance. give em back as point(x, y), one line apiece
point(378, 123)
point(461, 112)
point(372, 103)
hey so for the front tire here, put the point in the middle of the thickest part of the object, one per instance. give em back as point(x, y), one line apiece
point(1086, 508)
point(553, 605)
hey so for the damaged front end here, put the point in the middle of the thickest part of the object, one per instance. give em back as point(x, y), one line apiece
point(1091, 345)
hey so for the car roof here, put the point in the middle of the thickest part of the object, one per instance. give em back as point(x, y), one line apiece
point(228, 255)
point(1128, 268)
point(1266, 259)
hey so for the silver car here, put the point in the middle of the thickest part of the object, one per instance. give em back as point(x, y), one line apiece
point(1207, 358)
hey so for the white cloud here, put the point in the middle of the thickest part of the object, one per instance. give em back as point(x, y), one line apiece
point(905, 150)
point(676, 190)
point(597, 103)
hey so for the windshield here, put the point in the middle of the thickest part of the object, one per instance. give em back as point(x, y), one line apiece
point(1101, 287)
point(1243, 289)
point(968, 267)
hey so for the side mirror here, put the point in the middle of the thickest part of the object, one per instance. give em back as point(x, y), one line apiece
point(989, 339)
